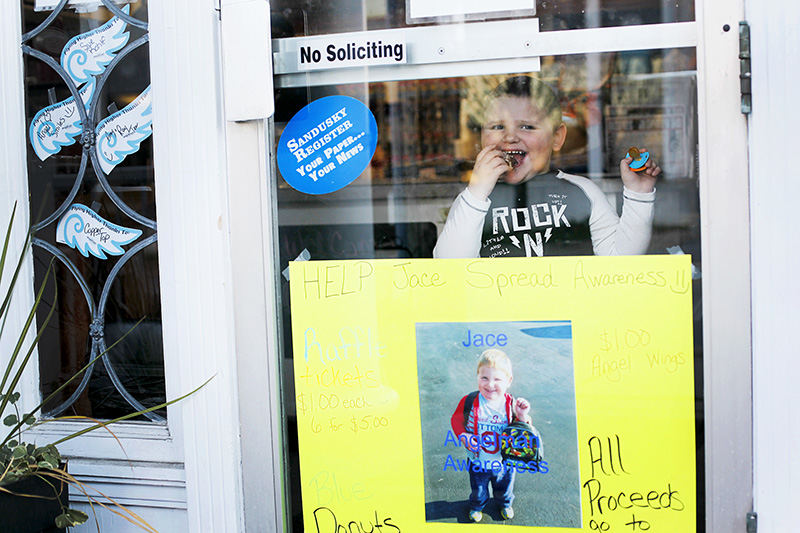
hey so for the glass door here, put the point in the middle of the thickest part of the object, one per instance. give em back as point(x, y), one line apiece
point(436, 89)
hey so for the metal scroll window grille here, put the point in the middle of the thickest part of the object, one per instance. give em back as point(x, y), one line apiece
point(97, 291)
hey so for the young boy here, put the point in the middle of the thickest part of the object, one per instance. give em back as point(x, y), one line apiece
point(536, 211)
point(492, 410)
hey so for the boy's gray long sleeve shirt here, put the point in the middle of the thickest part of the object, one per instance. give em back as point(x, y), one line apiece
point(611, 234)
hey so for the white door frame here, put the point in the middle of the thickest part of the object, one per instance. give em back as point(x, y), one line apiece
point(725, 228)
point(724, 225)
point(774, 190)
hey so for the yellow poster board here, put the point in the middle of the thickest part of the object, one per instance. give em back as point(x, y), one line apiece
point(601, 349)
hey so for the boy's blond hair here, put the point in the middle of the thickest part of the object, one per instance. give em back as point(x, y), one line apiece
point(541, 95)
point(494, 358)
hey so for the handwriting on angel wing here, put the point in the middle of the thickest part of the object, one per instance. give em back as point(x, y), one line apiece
point(89, 233)
point(122, 133)
point(89, 53)
point(57, 125)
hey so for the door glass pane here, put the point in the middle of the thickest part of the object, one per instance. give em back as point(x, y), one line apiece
point(431, 130)
point(318, 17)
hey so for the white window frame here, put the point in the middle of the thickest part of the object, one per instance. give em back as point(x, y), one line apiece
point(194, 465)
point(141, 441)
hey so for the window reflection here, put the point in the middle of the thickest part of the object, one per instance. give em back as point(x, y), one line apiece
point(317, 17)
point(428, 138)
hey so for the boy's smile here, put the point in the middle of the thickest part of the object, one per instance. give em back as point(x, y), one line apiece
point(525, 136)
point(493, 383)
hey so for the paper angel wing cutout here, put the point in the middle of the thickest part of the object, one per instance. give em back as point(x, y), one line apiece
point(57, 125)
point(89, 233)
point(89, 53)
point(122, 133)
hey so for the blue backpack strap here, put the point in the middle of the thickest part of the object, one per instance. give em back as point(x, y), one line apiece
point(468, 401)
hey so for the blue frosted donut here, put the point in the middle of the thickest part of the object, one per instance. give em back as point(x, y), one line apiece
point(636, 166)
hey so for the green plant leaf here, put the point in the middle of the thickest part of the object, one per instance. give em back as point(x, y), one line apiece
point(5, 254)
point(15, 353)
point(48, 453)
point(8, 238)
point(70, 518)
point(12, 443)
point(20, 262)
point(29, 419)
point(20, 451)
point(10, 398)
point(62, 521)
point(10, 420)
point(77, 517)
point(4, 306)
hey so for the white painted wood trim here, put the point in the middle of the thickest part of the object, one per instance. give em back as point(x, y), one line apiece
point(547, 43)
point(144, 485)
point(774, 193)
point(253, 232)
point(194, 252)
point(247, 59)
point(14, 186)
point(726, 273)
point(252, 252)
point(132, 441)
point(154, 491)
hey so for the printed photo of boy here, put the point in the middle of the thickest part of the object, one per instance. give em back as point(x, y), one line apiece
point(483, 455)
point(488, 414)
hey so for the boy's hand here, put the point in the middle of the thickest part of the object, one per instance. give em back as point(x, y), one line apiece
point(522, 409)
point(470, 441)
point(489, 166)
point(642, 181)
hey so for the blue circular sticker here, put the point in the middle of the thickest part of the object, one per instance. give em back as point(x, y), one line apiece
point(327, 144)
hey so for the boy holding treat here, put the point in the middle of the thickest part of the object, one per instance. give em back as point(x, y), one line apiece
point(516, 206)
point(480, 425)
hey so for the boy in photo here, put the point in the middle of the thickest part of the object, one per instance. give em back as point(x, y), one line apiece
point(478, 422)
point(516, 206)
